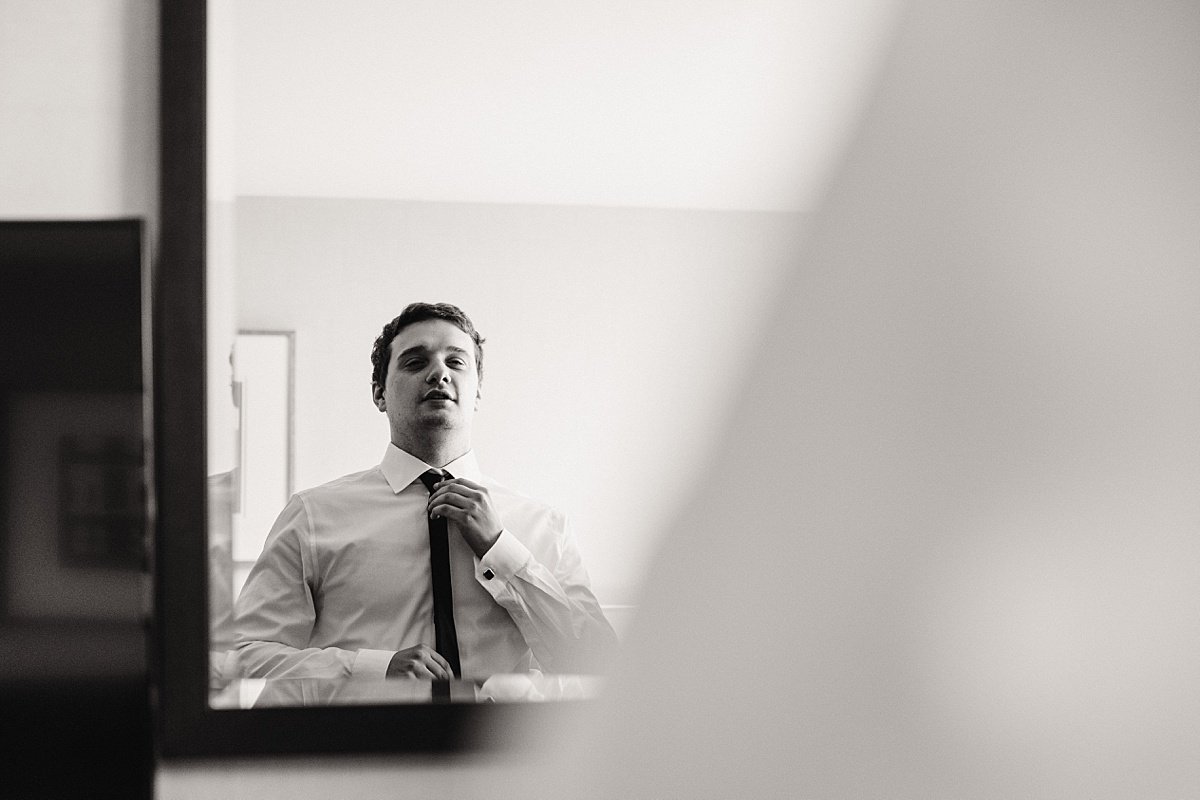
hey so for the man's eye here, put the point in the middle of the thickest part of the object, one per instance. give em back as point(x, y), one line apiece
point(457, 362)
point(413, 363)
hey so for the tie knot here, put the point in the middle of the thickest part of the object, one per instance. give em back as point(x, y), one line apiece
point(431, 477)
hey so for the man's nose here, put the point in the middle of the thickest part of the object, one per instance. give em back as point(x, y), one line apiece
point(438, 373)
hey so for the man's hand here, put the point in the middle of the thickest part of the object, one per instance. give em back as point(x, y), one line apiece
point(468, 507)
point(421, 661)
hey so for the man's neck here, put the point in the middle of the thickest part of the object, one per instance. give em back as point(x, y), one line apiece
point(436, 454)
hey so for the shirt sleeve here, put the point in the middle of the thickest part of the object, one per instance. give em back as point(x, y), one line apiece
point(275, 613)
point(548, 596)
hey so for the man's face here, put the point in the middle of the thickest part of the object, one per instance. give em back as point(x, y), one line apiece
point(432, 381)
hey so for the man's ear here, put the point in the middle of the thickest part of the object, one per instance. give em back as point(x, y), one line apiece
point(377, 396)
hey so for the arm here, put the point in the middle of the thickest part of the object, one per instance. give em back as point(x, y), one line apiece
point(535, 574)
point(550, 600)
point(275, 612)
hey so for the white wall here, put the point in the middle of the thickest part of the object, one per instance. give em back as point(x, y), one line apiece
point(78, 109)
point(615, 338)
point(739, 104)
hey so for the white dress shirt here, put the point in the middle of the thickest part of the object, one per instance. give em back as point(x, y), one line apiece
point(343, 582)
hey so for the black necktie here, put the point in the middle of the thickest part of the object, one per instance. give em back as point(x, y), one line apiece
point(443, 597)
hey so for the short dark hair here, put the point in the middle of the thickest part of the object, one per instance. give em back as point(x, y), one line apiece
point(419, 312)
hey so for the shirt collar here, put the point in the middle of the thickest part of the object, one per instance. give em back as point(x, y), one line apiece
point(401, 468)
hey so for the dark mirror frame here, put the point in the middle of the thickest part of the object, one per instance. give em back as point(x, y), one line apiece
point(185, 724)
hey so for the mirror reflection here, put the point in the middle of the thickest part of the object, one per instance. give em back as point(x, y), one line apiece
point(615, 252)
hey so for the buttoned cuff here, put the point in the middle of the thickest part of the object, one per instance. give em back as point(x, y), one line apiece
point(503, 558)
point(371, 663)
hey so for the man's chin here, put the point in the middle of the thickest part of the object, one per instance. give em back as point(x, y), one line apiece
point(440, 418)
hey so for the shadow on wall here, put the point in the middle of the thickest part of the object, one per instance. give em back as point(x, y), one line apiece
point(948, 549)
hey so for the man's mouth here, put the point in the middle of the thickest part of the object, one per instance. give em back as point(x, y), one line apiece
point(436, 395)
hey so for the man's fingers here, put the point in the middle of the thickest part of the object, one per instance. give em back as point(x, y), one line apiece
point(443, 672)
point(456, 500)
point(423, 661)
point(452, 513)
point(464, 482)
point(419, 669)
point(468, 505)
point(435, 662)
point(457, 491)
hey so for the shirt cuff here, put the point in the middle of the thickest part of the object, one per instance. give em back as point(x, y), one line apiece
point(371, 663)
point(503, 558)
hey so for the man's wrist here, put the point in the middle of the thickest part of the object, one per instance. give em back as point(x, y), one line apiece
point(481, 545)
point(504, 557)
point(371, 663)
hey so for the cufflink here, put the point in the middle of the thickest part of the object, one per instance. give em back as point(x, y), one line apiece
point(488, 574)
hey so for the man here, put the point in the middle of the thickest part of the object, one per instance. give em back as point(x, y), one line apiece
point(344, 585)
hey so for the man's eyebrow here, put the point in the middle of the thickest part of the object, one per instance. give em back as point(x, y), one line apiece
point(420, 349)
point(414, 350)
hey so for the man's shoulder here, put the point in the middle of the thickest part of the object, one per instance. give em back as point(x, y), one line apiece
point(363, 480)
point(511, 498)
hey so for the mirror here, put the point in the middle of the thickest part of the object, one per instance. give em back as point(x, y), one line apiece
point(610, 193)
point(459, 160)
